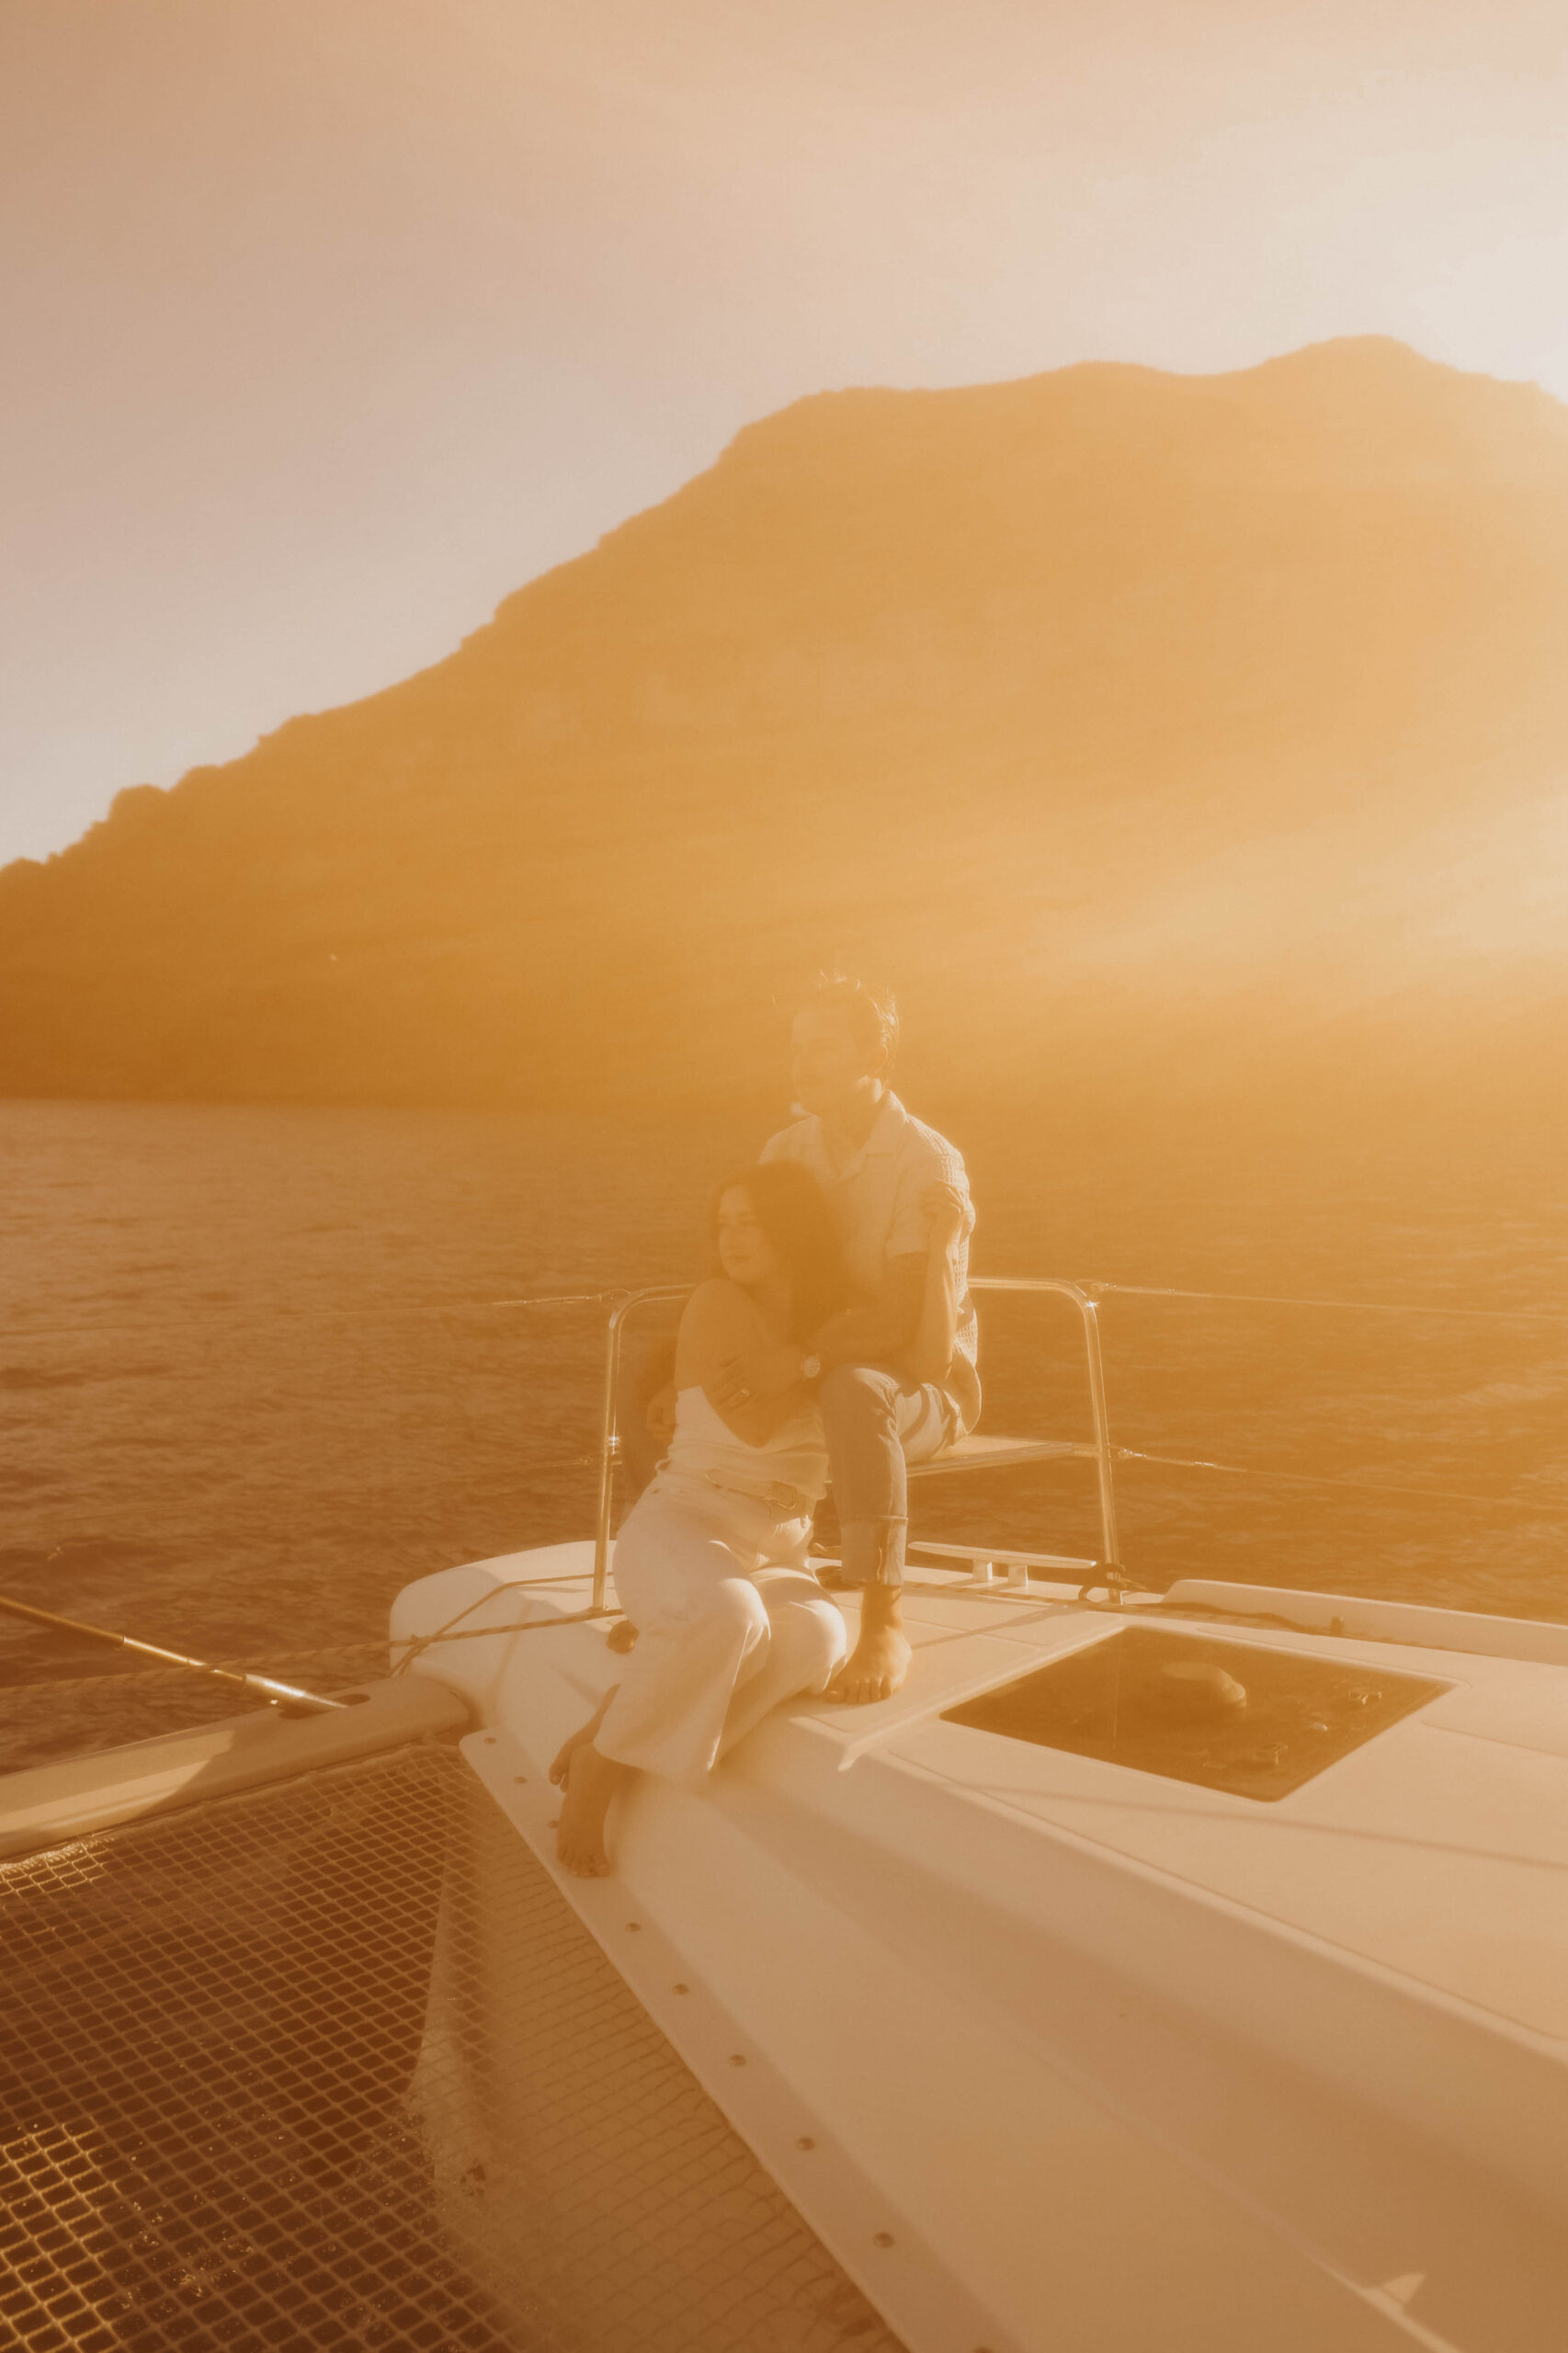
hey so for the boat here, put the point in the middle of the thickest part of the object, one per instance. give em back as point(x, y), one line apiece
point(1155, 1972)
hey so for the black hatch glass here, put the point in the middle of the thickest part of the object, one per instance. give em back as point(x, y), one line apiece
point(1257, 1723)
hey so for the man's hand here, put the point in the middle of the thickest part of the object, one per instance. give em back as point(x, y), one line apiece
point(755, 1375)
point(660, 1411)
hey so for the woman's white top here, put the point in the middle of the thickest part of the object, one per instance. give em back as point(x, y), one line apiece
point(793, 1461)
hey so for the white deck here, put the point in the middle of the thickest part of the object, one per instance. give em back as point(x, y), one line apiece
point(1122, 2062)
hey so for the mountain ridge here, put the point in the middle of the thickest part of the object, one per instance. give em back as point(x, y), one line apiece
point(1082, 707)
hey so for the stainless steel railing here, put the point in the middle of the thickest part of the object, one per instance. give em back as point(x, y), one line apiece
point(609, 1435)
point(1108, 1570)
point(1112, 1576)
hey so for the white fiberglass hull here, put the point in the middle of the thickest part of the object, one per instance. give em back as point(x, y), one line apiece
point(1050, 2052)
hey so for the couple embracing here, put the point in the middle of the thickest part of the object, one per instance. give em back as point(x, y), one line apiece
point(837, 1338)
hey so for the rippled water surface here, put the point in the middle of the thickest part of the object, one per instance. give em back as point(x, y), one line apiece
point(258, 1370)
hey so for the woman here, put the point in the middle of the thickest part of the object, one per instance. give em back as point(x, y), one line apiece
point(710, 1563)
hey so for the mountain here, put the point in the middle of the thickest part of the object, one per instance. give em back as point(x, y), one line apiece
point(1154, 734)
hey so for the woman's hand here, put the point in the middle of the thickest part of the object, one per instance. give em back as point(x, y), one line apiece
point(948, 1210)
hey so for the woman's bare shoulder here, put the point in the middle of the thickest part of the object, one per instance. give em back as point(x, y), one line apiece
point(718, 1311)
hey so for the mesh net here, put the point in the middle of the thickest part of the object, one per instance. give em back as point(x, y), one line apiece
point(333, 2063)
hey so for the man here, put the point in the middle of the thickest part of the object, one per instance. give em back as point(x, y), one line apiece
point(877, 1166)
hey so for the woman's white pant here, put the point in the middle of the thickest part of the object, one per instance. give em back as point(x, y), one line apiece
point(728, 1621)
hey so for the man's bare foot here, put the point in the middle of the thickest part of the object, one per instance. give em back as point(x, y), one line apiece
point(591, 1782)
point(574, 1741)
point(879, 1661)
point(621, 1638)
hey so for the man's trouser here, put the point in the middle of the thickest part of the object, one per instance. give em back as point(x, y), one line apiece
point(874, 1427)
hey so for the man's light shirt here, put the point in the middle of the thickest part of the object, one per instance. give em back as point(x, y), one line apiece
point(875, 1200)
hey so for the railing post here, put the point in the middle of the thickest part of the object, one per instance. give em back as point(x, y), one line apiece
point(609, 1437)
point(609, 1447)
point(1115, 1578)
point(1110, 1543)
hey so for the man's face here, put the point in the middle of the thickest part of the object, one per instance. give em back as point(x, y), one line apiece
point(827, 1069)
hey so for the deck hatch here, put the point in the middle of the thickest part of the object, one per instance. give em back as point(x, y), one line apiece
point(1258, 1722)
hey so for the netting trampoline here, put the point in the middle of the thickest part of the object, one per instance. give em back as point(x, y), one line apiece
point(262, 2063)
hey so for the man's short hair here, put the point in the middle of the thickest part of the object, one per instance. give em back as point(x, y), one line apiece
point(872, 1014)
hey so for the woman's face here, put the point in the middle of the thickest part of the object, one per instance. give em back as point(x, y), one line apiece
point(745, 1251)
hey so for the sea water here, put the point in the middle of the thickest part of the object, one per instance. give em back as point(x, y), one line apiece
point(260, 1367)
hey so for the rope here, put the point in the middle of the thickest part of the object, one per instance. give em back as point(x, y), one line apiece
point(1310, 1478)
point(17, 1330)
point(413, 1645)
point(419, 1642)
point(534, 1301)
point(1344, 1306)
point(554, 1299)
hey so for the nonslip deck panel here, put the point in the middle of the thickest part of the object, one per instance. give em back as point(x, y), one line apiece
point(254, 2061)
point(1253, 1721)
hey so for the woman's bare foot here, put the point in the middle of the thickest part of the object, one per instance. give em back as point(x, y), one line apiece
point(562, 1765)
point(591, 1782)
point(623, 1637)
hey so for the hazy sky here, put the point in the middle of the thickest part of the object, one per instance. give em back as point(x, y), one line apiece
point(329, 322)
